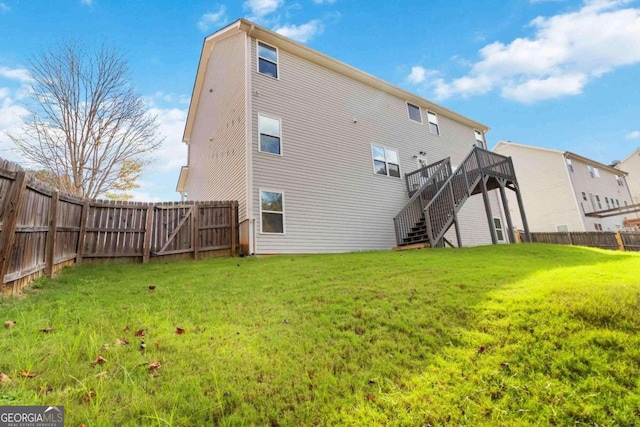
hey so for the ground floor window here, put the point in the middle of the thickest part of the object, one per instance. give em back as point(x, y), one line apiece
point(598, 227)
point(499, 231)
point(272, 212)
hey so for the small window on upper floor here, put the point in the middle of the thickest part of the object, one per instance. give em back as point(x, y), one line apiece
point(596, 172)
point(480, 142)
point(385, 161)
point(619, 180)
point(269, 130)
point(267, 60)
point(433, 123)
point(414, 113)
point(617, 203)
point(598, 201)
point(584, 196)
point(590, 170)
point(569, 165)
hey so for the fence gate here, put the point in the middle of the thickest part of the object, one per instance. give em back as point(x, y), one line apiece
point(174, 229)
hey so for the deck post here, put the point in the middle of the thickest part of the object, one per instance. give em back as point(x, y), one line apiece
point(487, 208)
point(507, 212)
point(525, 225)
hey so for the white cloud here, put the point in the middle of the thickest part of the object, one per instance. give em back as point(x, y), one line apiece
point(173, 153)
point(11, 121)
point(4, 7)
point(213, 19)
point(633, 135)
point(417, 75)
point(87, 2)
point(566, 52)
point(260, 8)
point(19, 74)
point(302, 33)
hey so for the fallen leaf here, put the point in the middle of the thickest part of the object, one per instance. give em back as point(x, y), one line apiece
point(4, 379)
point(105, 346)
point(44, 390)
point(370, 397)
point(126, 329)
point(47, 330)
point(179, 331)
point(481, 349)
point(139, 333)
point(28, 374)
point(10, 324)
point(154, 366)
point(152, 287)
point(99, 361)
point(88, 396)
point(121, 342)
point(157, 345)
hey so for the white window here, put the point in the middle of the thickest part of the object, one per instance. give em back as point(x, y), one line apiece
point(269, 130)
point(271, 212)
point(590, 170)
point(569, 165)
point(414, 113)
point(619, 180)
point(584, 196)
point(596, 172)
point(267, 60)
point(498, 226)
point(385, 161)
point(598, 201)
point(479, 139)
point(433, 123)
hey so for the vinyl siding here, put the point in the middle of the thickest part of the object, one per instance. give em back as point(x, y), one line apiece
point(334, 202)
point(632, 166)
point(218, 146)
point(546, 190)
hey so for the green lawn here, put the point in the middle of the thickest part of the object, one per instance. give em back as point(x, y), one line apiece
point(501, 335)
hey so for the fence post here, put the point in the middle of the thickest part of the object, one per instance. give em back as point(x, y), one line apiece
point(84, 218)
point(148, 230)
point(570, 238)
point(234, 226)
point(49, 257)
point(11, 212)
point(516, 235)
point(620, 241)
point(196, 230)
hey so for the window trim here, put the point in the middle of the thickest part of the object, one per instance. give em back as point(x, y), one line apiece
point(373, 161)
point(569, 163)
point(501, 228)
point(258, 58)
point(273, 136)
point(409, 105)
point(284, 223)
point(482, 140)
point(590, 170)
point(619, 181)
point(436, 123)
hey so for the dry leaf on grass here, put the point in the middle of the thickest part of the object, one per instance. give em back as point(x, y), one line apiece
point(179, 331)
point(99, 361)
point(139, 333)
point(152, 287)
point(28, 374)
point(10, 323)
point(126, 329)
point(153, 366)
point(121, 341)
point(4, 379)
point(47, 330)
point(88, 396)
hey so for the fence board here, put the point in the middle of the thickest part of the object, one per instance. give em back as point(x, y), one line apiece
point(595, 239)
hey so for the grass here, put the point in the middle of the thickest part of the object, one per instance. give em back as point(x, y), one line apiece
point(500, 335)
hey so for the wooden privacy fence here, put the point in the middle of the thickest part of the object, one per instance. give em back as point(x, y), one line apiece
point(622, 240)
point(43, 230)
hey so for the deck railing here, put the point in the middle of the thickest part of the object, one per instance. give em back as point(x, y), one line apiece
point(441, 210)
point(422, 185)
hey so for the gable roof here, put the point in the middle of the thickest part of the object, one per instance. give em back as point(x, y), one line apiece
point(633, 153)
point(302, 51)
point(566, 154)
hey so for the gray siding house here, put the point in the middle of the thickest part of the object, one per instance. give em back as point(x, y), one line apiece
point(563, 191)
point(316, 151)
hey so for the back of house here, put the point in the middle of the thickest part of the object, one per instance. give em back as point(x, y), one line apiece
point(315, 151)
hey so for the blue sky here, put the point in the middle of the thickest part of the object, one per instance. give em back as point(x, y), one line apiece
point(561, 74)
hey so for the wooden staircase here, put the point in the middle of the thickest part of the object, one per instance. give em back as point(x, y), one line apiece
point(437, 194)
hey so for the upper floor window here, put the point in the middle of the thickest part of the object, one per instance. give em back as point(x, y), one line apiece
point(480, 139)
point(267, 60)
point(433, 123)
point(385, 161)
point(569, 165)
point(414, 113)
point(269, 130)
point(619, 180)
point(606, 201)
point(584, 196)
point(593, 171)
point(598, 201)
point(596, 171)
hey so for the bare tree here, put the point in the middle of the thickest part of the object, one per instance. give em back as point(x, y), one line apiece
point(87, 131)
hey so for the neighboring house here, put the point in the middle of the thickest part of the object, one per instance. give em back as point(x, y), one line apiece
point(316, 151)
point(563, 191)
point(632, 166)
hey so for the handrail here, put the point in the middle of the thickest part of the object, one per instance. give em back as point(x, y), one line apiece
point(412, 211)
point(422, 172)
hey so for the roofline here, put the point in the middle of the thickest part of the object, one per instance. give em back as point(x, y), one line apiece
point(285, 43)
point(566, 154)
point(633, 153)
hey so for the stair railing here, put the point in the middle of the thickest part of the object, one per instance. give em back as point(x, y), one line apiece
point(412, 213)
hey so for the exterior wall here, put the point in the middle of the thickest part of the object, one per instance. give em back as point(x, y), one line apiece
point(218, 145)
point(334, 202)
point(545, 187)
point(605, 186)
point(632, 165)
